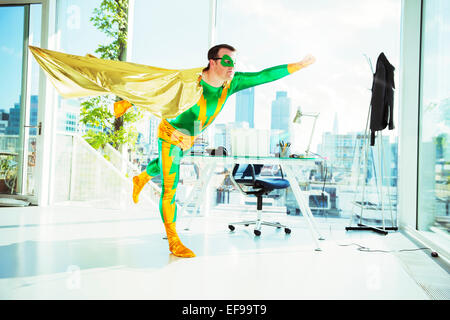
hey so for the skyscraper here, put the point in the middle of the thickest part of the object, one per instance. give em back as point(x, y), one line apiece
point(280, 121)
point(335, 124)
point(14, 117)
point(245, 106)
point(14, 120)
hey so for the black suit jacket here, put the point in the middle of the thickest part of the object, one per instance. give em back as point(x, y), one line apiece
point(382, 97)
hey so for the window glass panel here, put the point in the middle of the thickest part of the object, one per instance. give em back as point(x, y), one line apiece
point(434, 151)
point(168, 34)
point(171, 34)
point(340, 34)
point(76, 35)
point(11, 57)
point(35, 40)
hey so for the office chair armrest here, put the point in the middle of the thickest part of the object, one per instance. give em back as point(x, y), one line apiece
point(253, 174)
point(237, 185)
point(281, 170)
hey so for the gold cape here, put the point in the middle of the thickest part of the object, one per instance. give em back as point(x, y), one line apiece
point(164, 92)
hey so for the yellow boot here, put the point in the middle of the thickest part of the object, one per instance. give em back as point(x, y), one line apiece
point(120, 107)
point(175, 245)
point(139, 182)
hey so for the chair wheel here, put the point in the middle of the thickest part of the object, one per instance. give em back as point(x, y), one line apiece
point(287, 230)
point(231, 227)
point(257, 232)
point(246, 225)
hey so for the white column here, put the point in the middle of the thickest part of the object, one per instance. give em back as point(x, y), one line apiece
point(212, 23)
point(130, 30)
point(408, 122)
point(46, 112)
point(24, 106)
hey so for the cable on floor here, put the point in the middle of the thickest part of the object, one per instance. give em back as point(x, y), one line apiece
point(366, 249)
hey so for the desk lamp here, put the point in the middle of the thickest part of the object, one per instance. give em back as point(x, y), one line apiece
point(297, 119)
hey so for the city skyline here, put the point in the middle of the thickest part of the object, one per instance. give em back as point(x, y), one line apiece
point(68, 121)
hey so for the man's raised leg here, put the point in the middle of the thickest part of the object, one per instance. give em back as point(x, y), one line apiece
point(141, 179)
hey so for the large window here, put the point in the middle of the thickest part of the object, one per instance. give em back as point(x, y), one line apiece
point(343, 36)
point(434, 150)
point(76, 35)
point(167, 34)
point(171, 34)
point(20, 25)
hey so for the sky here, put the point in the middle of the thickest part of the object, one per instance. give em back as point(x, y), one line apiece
point(10, 55)
point(11, 39)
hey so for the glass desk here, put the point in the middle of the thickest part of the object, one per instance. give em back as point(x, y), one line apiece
point(288, 166)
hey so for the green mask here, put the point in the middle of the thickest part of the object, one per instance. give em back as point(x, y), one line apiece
point(227, 61)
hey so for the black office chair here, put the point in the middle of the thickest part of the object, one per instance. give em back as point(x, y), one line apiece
point(249, 175)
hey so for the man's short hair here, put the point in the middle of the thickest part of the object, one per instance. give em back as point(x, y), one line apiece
point(212, 53)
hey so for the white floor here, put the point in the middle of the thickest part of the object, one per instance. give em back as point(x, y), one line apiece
point(82, 253)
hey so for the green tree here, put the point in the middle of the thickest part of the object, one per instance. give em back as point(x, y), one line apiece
point(112, 19)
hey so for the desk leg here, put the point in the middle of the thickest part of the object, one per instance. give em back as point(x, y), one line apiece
point(303, 205)
point(306, 206)
point(308, 211)
point(203, 181)
point(188, 199)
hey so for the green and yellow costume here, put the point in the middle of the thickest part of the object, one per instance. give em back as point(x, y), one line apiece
point(180, 124)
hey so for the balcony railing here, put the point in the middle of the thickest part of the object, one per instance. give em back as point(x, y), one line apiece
point(85, 175)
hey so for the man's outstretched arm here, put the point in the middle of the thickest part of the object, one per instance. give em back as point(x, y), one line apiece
point(244, 80)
